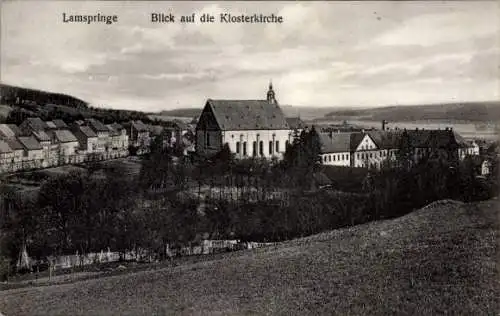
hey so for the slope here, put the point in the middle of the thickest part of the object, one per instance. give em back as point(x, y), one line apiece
point(437, 260)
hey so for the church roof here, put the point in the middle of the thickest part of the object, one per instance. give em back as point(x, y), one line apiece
point(247, 115)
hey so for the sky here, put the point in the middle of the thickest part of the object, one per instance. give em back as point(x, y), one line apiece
point(331, 54)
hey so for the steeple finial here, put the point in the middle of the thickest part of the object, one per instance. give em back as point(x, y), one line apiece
point(271, 98)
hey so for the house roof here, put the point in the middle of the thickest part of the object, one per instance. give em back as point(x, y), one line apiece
point(96, 125)
point(60, 124)
point(156, 129)
point(15, 144)
point(64, 136)
point(356, 139)
point(461, 141)
point(337, 143)
point(117, 126)
point(86, 130)
point(17, 131)
point(4, 147)
point(41, 136)
point(140, 126)
point(51, 125)
point(386, 139)
point(181, 125)
point(295, 122)
point(247, 114)
point(36, 123)
point(30, 143)
point(6, 131)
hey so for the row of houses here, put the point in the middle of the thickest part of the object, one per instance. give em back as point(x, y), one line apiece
point(38, 144)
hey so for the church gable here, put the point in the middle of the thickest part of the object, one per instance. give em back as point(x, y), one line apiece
point(207, 120)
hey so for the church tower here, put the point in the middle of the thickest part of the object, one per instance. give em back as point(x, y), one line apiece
point(271, 98)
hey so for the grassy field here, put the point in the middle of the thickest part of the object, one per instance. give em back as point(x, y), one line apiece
point(437, 260)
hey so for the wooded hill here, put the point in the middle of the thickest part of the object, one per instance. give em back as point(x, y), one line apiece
point(470, 111)
point(25, 102)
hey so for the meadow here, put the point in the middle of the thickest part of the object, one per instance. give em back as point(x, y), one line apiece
point(437, 260)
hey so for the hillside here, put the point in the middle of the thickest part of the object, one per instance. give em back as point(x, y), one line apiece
point(23, 102)
point(437, 260)
point(477, 112)
point(10, 93)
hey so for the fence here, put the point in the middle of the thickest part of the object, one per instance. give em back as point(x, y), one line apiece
point(60, 160)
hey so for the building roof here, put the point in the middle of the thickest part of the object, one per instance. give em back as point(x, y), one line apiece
point(36, 123)
point(356, 139)
point(295, 123)
point(247, 114)
point(87, 131)
point(140, 126)
point(30, 143)
point(386, 139)
point(155, 129)
point(41, 136)
point(15, 144)
point(96, 125)
point(51, 125)
point(4, 147)
point(6, 131)
point(112, 130)
point(60, 124)
point(335, 143)
point(117, 126)
point(64, 136)
point(17, 131)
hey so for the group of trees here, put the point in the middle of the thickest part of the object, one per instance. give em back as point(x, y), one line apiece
point(97, 209)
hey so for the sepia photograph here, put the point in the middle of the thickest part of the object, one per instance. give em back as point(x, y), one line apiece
point(249, 157)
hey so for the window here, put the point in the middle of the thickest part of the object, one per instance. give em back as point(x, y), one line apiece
point(330, 158)
point(207, 138)
point(277, 146)
point(261, 148)
point(334, 157)
point(244, 148)
point(343, 158)
point(324, 158)
point(270, 147)
point(371, 156)
point(358, 156)
point(237, 147)
point(254, 149)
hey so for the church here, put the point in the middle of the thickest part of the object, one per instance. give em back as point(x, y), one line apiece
point(251, 128)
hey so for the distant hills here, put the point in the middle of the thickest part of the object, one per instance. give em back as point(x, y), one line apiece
point(470, 111)
point(38, 102)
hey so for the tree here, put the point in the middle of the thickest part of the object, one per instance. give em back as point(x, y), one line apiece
point(405, 153)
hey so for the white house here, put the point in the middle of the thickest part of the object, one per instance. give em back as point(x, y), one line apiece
point(251, 128)
point(33, 152)
point(68, 144)
point(365, 152)
point(336, 149)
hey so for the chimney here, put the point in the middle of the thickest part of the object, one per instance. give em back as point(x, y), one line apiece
point(384, 122)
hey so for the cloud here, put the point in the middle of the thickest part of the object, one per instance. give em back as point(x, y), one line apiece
point(325, 53)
